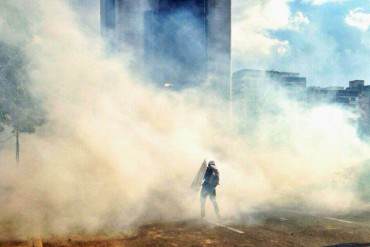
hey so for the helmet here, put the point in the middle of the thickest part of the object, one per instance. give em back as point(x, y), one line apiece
point(211, 163)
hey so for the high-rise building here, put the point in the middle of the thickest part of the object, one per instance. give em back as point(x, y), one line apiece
point(219, 43)
point(122, 24)
point(189, 42)
point(108, 18)
point(175, 42)
point(181, 42)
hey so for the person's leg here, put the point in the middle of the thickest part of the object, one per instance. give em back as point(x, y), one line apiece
point(203, 197)
point(212, 197)
point(202, 206)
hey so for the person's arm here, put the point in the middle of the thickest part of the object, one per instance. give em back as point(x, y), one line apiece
point(207, 174)
point(218, 177)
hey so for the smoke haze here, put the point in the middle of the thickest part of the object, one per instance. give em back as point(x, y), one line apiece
point(326, 41)
point(117, 152)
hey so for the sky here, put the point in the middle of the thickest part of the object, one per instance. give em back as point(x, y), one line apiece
point(327, 41)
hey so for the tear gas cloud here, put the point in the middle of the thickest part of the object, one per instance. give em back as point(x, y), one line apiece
point(117, 152)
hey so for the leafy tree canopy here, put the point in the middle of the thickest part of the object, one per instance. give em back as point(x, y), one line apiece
point(19, 109)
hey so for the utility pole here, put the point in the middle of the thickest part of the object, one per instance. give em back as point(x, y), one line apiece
point(17, 144)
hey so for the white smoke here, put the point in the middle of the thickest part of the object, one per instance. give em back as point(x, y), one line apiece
point(116, 152)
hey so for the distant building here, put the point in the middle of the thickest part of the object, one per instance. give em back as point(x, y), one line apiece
point(252, 89)
point(345, 96)
point(122, 25)
point(248, 79)
point(108, 18)
point(355, 97)
point(180, 42)
point(176, 42)
point(188, 42)
point(364, 110)
point(219, 44)
point(356, 84)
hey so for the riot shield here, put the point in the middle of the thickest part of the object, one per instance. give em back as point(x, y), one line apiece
point(197, 181)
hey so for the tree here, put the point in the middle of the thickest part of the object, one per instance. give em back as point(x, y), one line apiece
point(19, 109)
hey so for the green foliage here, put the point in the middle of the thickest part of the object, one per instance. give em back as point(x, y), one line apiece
point(19, 109)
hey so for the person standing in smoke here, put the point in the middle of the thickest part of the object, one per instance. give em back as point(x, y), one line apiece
point(210, 181)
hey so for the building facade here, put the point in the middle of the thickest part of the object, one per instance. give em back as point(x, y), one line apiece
point(182, 43)
point(254, 91)
point(176, 42)
point(251, 92)
point(122, 25)
point(247, 81)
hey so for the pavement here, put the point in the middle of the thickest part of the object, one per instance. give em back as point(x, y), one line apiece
point(281, 228)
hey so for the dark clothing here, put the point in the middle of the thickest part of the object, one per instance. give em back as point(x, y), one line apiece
point(208, 191)
point(211, 180)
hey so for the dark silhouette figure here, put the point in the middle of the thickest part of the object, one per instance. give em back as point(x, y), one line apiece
point(210, 181)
